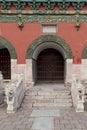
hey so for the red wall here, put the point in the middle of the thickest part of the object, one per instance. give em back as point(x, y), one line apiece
point(31, 31)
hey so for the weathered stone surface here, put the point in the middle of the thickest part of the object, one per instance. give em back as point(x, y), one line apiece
point(45, 113)
point(48, 97)
point(52, 104)
point(63, 97)
point(43, 123)
point(63, 100)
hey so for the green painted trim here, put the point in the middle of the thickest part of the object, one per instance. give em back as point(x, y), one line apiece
point(42, 18)
point(43, 12)
point(84, 53)
point(9, 46)
point(48, 16)
point(49, 38)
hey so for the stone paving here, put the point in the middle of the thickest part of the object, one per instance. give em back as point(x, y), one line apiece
point(22, 120)
point(28, 118)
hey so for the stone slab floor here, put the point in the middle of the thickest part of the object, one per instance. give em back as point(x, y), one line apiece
point(55, 119)
point(28, 118)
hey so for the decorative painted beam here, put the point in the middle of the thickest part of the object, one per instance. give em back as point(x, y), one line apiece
point(48, 4)
point(42, 18)
point(42, 12)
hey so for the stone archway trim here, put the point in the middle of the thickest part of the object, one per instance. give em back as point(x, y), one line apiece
point(49, 38)
point(84, 53)
point(9, 46)
point(47, 45)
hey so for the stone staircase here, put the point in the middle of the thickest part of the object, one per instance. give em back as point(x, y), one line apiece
point(47, 96)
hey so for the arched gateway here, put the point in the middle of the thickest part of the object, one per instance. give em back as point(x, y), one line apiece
point(7, 53)
point(48, 55)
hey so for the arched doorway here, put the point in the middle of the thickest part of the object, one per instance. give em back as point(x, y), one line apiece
point(38, 46)
point(50, 66)
point(7, 57)
point(5, 63)
point(49, 63)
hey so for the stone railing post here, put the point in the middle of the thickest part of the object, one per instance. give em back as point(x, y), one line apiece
point(15, 93)
point(77, 92)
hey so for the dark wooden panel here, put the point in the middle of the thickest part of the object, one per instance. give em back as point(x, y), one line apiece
point(5, 65)
point(50, 65)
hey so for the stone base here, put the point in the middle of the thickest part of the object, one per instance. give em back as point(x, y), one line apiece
point(29, 70)
point(30, 84)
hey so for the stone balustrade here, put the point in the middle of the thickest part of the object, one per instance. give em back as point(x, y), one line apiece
point(15, 93)
point(1, 89)
point(77, 92)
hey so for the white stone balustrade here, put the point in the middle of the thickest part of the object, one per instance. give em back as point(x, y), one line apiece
point(1, 89)
point(77, 92)
point(15, 93)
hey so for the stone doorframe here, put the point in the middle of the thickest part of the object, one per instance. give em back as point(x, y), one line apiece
point(84, 53)
point(12, 52)
point(84, 64)
point(41, 43)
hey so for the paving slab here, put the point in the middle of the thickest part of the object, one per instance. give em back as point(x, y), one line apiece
point(45, 113)
point(43, 123)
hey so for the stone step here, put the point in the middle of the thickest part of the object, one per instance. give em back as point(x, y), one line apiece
point(63, 100)
point(48, 101)
point(46, 104)
point(52, 105)
point(47, 97)
point(42, 93)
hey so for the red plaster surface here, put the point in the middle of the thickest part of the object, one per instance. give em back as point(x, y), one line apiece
point(20, 39)
point(31, 31)
point(76, 39)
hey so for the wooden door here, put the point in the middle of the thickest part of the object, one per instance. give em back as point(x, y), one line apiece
point(50, 65)
point(5, 65)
